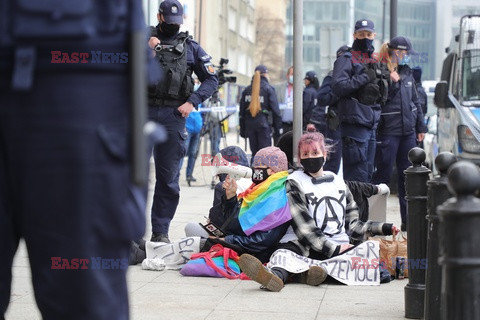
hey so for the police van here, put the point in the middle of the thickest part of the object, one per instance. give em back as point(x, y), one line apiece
point(457, 95)
point(430, 141)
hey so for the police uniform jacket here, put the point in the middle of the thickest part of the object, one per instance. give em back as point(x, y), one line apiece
point(309, 102)
point(199, 62)
point(402, 113)
point(325, 97)
point(348, 79)
point(422, 96)
point(269, 104)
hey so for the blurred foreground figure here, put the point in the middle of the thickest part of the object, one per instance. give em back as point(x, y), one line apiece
point(65, 174)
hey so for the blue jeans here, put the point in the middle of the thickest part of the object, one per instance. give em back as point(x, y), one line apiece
point(191, 145)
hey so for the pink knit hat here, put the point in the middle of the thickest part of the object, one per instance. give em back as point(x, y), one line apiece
point(272, 157)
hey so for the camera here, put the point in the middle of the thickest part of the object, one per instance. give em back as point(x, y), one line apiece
point(178, 48)
point(222, 72)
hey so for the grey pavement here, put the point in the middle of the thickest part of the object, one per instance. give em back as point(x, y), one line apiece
point(168, 295)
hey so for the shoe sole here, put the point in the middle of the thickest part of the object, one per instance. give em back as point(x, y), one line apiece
point(255, 270)
point(315, 276)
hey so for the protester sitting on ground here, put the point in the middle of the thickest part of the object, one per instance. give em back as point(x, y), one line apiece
point(361, 190)
point(261, 214)
point(231, 154)
point(324, 218)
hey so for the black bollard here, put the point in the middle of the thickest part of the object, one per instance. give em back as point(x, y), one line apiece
point(460, 249)
point(437, 194)
point(416, 178)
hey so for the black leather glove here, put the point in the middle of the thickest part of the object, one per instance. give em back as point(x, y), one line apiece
point(333, 121)
point(372, 75)
point(369, 94)
point(243, 134)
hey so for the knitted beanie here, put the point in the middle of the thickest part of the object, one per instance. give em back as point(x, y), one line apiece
point(272, 157)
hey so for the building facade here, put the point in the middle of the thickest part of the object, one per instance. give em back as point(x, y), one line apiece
point(329, 25)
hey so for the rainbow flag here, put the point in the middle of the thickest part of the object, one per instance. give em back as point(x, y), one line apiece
point(265, 205)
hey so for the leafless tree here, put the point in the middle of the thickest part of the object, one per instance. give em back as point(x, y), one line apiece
point(270, 44)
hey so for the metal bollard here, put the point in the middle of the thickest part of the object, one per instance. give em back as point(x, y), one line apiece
point(460, 258)
point(416, 178)
point(437, 194)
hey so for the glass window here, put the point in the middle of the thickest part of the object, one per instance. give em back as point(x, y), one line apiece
point(243, 27)
point(251, 32)
point(309, 32)
point(309, 10)
point(232, 19)
point(319, 12)
point(232, 57)
point(242, 63)
point(471, 75)
point(335, 11)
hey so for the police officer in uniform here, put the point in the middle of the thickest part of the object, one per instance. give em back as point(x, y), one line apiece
point(170, 102)
point(309, 96)
point(402, 122)
point(65, 185)
point(258, 102)
point(358, 107)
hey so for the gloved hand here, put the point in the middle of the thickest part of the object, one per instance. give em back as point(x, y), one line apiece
point(371, 74)
point(242, 133)
point(383, 189)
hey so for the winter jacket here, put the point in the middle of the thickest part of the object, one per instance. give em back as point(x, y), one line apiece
point(349, 78)
point(402, 113)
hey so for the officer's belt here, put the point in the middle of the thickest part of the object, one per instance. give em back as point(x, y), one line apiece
point(167, 102)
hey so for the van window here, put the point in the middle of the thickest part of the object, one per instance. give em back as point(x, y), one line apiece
point(471, 75)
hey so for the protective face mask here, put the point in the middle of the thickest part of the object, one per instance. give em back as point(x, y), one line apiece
point(405, 60)
point(169, 29)
point(312, 165)
point(259, 175)
point(363, 45)
point(290, 79)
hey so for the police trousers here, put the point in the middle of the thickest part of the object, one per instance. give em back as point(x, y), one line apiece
point(390, 150)
point(65, 189)
point(358, 153)
point(167, 156)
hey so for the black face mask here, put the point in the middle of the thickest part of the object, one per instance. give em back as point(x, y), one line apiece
point(363, 45)
point(259, 175)
point(312, 165)
point(169, 29)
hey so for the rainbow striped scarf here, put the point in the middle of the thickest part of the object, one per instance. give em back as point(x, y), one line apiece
point(265, 205)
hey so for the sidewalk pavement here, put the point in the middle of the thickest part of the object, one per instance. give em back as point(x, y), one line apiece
point(168, 295)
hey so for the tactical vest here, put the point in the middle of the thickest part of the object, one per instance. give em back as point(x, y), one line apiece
point(176, 84)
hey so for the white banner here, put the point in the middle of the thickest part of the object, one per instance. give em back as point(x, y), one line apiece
point(357, 267)
point(175, 254)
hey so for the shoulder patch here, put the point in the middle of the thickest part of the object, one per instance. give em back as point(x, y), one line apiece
point(206, 58)
point(209, 68)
